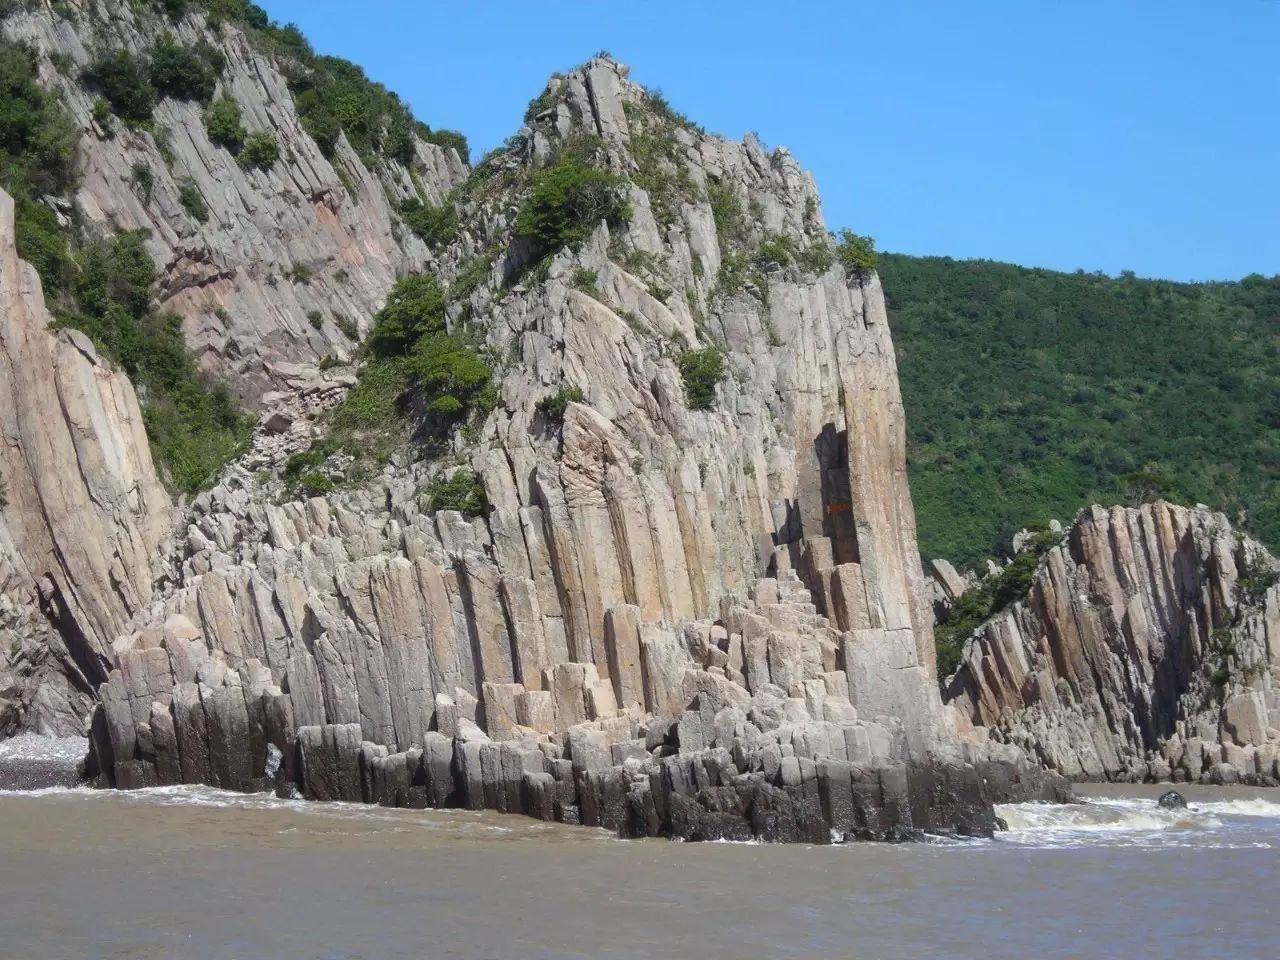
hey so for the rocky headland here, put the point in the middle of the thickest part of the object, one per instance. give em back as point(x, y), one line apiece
point(643, 553)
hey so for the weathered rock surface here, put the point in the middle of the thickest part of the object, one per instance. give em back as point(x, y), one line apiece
point(310, 235)
point(1148, 648)
point(672, 622)
point(84, 516)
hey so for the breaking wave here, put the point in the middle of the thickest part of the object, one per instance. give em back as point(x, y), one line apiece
point(1109, 821)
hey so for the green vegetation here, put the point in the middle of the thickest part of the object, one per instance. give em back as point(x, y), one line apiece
point(567, 200)
point(38, 140)
point(816, 258)
point(778, 249)
point(1255, 580)
point(438, 226)
point(125, 83)
point(222, 121)
point(986, 599)
point(192, 201)
point(4, 492)
point(552, 94)
point(315, 484)
point(143, 179)
point(662, 171)
point(185, 73)
point(856, 252)
point(463, 492)
point(333, 95)
point(414, 371)
point(194, 425)
point(104, 288)
point(731, 220)
point(555, 404)
point(584, 279)
point(1030, 394)
point(414, 309)
point(701, 370)
point(346, 326)
point(259, 152)
point(452, 379)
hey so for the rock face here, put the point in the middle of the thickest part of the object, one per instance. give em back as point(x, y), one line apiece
point(671, 622)
point(84, 516)
point(1148, 648)
point(308, 236)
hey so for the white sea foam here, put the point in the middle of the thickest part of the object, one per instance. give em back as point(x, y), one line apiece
point(30, 746)
point(1132, 822)
point(1254, 807)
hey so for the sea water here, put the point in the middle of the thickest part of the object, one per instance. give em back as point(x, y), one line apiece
point(192, 872)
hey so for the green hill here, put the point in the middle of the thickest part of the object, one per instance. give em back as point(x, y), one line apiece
point(1031, 393)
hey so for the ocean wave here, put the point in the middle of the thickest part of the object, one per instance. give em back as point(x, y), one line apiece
point(1253, 807)
point(1104, 816)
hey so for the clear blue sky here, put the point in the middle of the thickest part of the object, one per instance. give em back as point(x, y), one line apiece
point(1125, 134)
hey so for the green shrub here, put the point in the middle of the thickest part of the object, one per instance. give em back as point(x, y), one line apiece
point(222, 122)
point(316, 319)
point(315, 484)
point(194, 424)
point(259, 152)
point(584, 279)
point(856, 252)
point(143, 179)
point(192, 201)
point(464, 492)
point(778, 248)
point(449, 374)
point(414, 308)
point(38, 138)
point(4, 492)
point(1254, 582)
point(333, 97)
point(374, 403)
point(438, 226)
point(183, 73)
point(446, 140)
point(41, 242)
point(816, 258)
point(1146, 486)
point(346, 326)
point(102, 116)
point(984, 600)
point(701, 371)
point(567, 200)
point(733, 275)
point(554, 405)
point(302, 461)
point(125, 83)
point(726, 209)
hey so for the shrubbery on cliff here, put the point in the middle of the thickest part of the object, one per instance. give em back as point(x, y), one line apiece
point(567, 200)
point(104, 288)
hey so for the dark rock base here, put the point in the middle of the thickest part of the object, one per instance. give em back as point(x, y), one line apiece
point(692, 796)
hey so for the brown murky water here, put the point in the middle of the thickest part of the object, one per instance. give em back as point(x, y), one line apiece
point(187, 873)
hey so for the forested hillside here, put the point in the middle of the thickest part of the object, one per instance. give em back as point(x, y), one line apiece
point(1031, 394)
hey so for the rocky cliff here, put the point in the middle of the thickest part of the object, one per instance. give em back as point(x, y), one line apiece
point(271, 268)
point(704, 617)
point(83, 515)
point(1147, 648)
